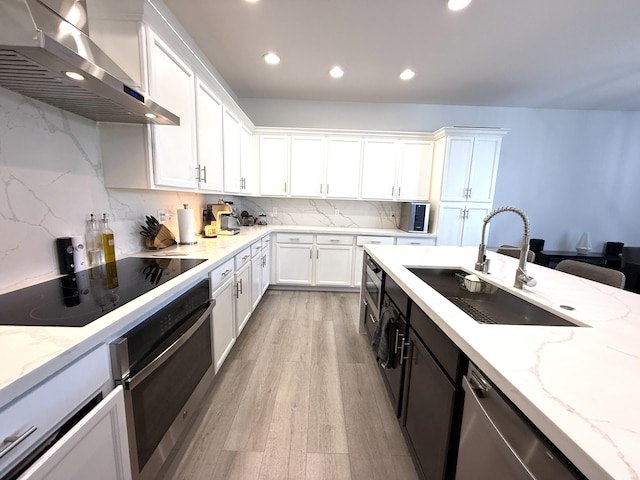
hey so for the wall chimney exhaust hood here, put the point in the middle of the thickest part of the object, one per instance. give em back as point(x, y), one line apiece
point(45, 44)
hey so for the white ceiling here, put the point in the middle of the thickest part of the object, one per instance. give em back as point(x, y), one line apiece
point(576, 54)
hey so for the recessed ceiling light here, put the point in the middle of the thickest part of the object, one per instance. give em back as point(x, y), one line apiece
point(150, 115)
point(457, 4)
point(74, 75)
point(252, 1)
point(336, 72)
point(271, 58)
point(407, 74)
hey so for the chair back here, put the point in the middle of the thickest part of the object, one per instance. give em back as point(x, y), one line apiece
point(513, 251)
point(604, 275)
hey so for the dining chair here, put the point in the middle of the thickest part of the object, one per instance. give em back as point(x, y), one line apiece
point(593, 272)
point(514, 252)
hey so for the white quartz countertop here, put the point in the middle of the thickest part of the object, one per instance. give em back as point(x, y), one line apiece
point(28, 355)
point(579, 385)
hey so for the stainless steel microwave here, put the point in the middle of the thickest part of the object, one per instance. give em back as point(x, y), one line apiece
point(414, 217)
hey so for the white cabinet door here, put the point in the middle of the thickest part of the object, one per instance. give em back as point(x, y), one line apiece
point(460, 224)
point(256, 281)
point(472, 231)
point(248, 163)
point(223, 318)
point(307, 166)
point(379, 169)
point(334, 265)
point(343, 167)
point(231, 151)
point(209, 136)
point(484, 169)
point(273, 165)
point(243, 296)
point(294, 264)
point(457, 166)
point(414, 170)
point(266, 270)
point(96, 447)
point(172, 85)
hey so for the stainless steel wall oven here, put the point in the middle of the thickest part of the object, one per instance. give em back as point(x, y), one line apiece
point(371, 294)
point(165, 365)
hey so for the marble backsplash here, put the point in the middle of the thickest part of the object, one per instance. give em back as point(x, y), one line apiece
point(51, 180)
point(318, 212)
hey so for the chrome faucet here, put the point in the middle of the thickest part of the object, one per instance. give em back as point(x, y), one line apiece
point(482, 265)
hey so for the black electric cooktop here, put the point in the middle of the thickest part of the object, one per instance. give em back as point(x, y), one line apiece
point(78, 299)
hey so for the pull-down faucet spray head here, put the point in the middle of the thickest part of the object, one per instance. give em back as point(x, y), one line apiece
point(482, 263)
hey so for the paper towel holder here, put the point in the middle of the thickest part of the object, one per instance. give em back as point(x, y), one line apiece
point(186, 227)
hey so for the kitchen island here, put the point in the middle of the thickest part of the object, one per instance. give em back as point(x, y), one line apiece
point(576, 384)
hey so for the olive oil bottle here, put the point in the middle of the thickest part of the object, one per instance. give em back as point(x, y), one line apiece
point(108, 243)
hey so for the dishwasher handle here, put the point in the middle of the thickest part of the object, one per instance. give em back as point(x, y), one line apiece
point(473, 402)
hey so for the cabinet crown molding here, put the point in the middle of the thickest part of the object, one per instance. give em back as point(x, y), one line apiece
point(445, 131)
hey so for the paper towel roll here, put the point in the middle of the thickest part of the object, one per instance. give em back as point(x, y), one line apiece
point(186, 226)
point(79, 253)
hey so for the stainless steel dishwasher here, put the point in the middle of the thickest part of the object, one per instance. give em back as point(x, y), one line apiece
point(498, 442)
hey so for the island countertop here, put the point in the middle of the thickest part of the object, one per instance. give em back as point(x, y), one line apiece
point(578, 385)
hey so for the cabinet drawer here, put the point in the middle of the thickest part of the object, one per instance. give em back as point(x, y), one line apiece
point(372, 240)
point(266, 243)
point(45, 407)
point(243, 257)
point(256, 248)
point(416, 241)
point(440, 346)
point(294, 238)
point(334, 240)
point(222, 272)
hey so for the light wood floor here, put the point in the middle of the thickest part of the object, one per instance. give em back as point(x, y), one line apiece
point(299, 397)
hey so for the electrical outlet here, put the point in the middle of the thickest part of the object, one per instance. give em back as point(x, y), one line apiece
point(337, 212)
point(164, 215)
point(274, 211)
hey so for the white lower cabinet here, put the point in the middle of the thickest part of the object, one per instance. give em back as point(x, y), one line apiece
point(416, 241)
point(460, 223)
point(256, 280)
point(362, 240)
point(266, 263)
point(294, 258)
point(334, 260)
point(223, 316)
point(243, 296)
point(96, 447)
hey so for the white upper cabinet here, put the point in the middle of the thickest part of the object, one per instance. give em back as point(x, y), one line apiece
point(470, 168)
point(379, 169)
point(461, 223)
point(414, 170)
point(273, 153)
point(248, 163)
point(231, 148)
point(209, 136)
point(171, 84)
point(343, 167)
point(307, 166)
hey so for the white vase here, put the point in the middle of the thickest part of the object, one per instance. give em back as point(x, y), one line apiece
point(584, 244)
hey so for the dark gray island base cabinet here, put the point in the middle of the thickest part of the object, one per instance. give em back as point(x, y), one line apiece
point(432, 398)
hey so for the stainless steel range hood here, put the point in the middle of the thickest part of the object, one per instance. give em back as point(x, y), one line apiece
point(44, 41)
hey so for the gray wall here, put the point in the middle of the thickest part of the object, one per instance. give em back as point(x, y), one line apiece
point(570, 171)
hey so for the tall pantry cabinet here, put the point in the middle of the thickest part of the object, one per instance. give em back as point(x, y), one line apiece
point(464, 178)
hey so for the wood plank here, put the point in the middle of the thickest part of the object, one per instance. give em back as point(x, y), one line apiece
point(285, 452)
point(236, 466)
point(327, 431)
point(328, 466)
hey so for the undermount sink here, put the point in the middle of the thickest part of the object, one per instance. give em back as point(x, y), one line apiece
point(492, 305)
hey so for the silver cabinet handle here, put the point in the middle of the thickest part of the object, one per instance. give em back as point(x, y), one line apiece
point(14, 440)
point(204, 173)
point(371, 317)
point(364, 302)
point(294, 239)
point(395, 349)
point(327, 189)
point(285, 187)
point(197, 173)
point(317, 254)
point(414, 243)
point(320, 188)
point(310, 255)
point(375, 241)
point(334, 240)
point(399, 190)
point(469, 193)
point(226, 272)
point(245, 257)
point(264, 261)
point(402, 357)
point(393, 189)
point(240, 287)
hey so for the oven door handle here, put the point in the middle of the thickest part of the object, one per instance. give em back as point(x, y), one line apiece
point(132, 382)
